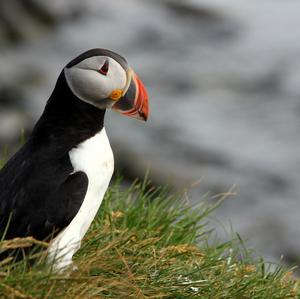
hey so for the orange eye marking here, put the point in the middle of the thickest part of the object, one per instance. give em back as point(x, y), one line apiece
point(116, 94)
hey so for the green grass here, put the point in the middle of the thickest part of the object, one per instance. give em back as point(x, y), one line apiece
point(145, 243)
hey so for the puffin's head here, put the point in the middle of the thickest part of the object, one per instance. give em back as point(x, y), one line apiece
point(103, 79)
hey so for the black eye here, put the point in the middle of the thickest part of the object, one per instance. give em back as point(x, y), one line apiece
point(104, 69)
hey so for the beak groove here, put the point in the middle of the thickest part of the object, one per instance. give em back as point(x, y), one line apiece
point(134, 103)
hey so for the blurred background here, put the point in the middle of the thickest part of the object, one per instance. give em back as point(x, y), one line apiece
point(224, 83)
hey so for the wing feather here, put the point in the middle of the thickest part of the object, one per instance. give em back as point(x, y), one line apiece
point(39, 195)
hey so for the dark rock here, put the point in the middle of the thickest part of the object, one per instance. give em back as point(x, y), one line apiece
point(22, 20)
point(209, 20)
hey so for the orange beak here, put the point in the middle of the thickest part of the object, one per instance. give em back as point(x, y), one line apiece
point(134, 102)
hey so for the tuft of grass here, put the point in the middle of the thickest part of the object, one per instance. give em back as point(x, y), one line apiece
point(146, 243)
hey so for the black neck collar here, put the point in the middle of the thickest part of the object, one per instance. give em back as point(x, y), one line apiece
point(67, 120)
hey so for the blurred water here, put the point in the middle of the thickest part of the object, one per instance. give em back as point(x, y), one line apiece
point(223, 78)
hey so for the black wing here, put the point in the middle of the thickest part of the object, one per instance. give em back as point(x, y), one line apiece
point(38, 194)
point(59, 209)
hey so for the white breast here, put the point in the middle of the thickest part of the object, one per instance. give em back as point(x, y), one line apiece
point(95, 158)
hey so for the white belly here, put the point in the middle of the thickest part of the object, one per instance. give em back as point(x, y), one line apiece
point(95, 158)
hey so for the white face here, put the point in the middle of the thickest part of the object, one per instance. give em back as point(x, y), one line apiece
point(90, 84)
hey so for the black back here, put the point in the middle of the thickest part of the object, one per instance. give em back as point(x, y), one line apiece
point(38, 196)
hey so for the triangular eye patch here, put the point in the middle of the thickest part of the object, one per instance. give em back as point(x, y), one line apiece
point(104, 69)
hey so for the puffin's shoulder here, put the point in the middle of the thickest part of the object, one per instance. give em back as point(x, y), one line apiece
point(29, 182)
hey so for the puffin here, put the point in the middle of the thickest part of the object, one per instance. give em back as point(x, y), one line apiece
point(52, 188)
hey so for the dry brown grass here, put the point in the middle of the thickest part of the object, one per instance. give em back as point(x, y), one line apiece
point(146, 244)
